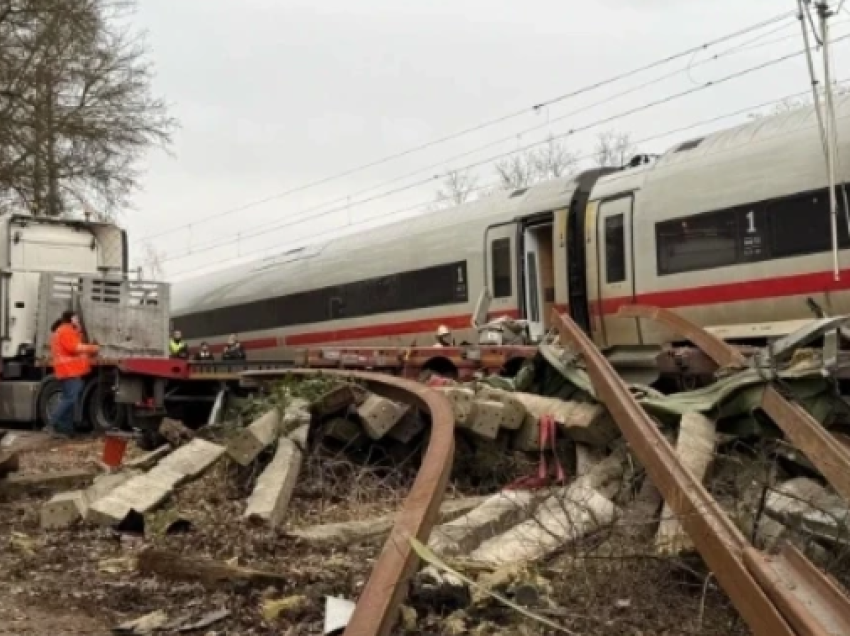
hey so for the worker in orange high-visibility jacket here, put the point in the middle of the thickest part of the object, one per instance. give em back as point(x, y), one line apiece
point(70, 365)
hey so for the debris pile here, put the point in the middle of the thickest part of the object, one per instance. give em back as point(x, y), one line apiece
point(261, 522)
point(609, 509)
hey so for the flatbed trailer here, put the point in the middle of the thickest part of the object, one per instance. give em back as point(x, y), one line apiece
point(150, 388)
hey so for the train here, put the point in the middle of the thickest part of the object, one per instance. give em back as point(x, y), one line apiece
point(731, 229)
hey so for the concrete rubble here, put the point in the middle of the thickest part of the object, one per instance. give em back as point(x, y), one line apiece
point(806, 506)
point(695, 448)
point(111, 497)
point(566, 515)
point(410, 426)
point(342, 430)
point(349, 532)
point(295, 415)
point(191, 460)
point(560, 519)
point(462, 400)
point(379, 415)
point(501, 536)
point(146, 461)
point(63, 510)
point(274, 487)
point(492, 517)
point(251, 441)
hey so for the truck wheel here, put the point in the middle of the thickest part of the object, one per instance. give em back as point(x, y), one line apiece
point(49, 395)
point(100, 409)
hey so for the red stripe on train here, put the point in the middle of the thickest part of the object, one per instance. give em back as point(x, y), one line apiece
point(779, 287)
point(796, 285)
point(388, 329)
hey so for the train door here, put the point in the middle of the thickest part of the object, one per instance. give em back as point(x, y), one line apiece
point(500, 267)
point(615, 267)
point(577, 290)
point(538, 278)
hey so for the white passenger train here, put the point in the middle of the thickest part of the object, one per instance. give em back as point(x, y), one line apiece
point(731, 229)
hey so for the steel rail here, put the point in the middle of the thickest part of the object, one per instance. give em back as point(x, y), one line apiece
point(719, 542)
point(808, 599)
point(830, 457)
point(378, 606)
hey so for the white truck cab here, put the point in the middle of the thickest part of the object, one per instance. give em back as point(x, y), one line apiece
point(51, 265)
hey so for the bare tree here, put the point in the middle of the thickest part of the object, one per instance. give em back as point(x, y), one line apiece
point(76, 113)
point(457, 187)
point(793, 103)
point(516, 171)
point(554, 159)
point(613, 149)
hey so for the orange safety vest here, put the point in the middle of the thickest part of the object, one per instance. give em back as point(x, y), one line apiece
point(70, 355)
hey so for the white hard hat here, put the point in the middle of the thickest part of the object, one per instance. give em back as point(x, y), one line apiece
point(442, 330)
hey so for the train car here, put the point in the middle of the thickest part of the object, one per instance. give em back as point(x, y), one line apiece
point(732, 229)
point(393, 285)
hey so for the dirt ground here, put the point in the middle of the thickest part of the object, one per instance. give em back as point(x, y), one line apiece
point(83, 580)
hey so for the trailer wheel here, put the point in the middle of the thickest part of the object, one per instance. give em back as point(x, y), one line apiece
point(49, 395)
point(101, 410)
point(439, 366)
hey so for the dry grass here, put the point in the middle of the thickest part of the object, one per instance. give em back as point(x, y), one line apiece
point(609, 583)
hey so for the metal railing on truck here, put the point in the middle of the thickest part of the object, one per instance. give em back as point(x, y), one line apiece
point(126, 317)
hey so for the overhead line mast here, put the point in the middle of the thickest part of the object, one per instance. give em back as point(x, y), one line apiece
point(831, 133)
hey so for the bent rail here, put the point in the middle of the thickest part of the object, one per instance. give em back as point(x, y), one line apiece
point(720, 543)
point(805, 432)
point(808, 599)
point(378, 606)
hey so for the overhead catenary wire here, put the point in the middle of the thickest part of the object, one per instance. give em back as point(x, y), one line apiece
point(491, 159)
point(479, 127)
point(359, 226)
point(346, 199)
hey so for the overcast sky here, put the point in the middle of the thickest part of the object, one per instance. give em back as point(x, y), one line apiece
point(275, 94)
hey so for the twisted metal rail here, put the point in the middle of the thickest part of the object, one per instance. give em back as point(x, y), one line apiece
point(780, 595)
point(379, 603)
point(830, 457)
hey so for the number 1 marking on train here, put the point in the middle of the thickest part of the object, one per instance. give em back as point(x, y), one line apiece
point(751, 217)
point(460, 275)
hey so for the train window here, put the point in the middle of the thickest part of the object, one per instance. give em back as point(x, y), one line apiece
point(615, 249)
point(802, 225)
point(432, 286)
point(697, 242)
point(500, 254)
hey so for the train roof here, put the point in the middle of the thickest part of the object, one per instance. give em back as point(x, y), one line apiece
point(211, 290)
point(755, 131)
point(734, 165)
point(281, 272)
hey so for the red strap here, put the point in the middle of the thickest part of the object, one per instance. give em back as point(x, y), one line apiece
point(546, 434)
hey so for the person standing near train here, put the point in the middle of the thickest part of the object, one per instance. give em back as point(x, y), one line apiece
point(70, 365)
point(443, 337)
point(204, 354)
point(177, 347)
point(233, 350)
